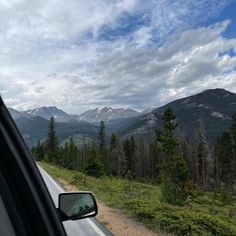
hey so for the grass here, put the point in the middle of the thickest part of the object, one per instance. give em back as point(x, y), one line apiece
point(204, 213)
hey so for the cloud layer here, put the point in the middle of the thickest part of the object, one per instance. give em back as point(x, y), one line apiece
point(83, 54)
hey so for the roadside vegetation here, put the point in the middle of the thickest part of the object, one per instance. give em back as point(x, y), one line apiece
point(185, 187)
point(204, 213)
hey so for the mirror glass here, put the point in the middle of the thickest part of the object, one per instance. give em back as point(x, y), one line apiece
point(79, 205)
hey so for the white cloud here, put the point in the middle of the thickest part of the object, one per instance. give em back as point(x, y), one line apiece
point(51, 53)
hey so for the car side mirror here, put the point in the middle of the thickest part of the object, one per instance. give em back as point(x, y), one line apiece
point(77, 205)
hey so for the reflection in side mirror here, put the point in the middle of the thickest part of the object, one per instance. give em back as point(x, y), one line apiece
point(77, 205)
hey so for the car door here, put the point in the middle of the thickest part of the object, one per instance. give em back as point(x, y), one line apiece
point(23, 194)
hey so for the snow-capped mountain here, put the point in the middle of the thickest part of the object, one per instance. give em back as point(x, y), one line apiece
point(95, 115)
point(107, 113)
point(33, 125)
point(211, 110)
point(48, 112)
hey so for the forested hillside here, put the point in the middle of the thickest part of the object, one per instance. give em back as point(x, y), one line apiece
point(204, 164)
point(210, 111)
point(190, 186)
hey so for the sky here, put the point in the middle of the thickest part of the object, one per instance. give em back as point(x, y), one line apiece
point(79, 55)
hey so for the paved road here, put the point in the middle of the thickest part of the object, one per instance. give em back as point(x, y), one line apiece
point(84, 227)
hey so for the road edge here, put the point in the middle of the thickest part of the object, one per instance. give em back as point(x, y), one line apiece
point(94, 220)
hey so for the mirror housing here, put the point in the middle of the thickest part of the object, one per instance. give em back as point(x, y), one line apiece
point(77, 205)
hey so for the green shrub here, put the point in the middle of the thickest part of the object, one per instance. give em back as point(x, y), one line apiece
point(94, 167)
point(204, 213)
point(205, 199)
point(181, 221)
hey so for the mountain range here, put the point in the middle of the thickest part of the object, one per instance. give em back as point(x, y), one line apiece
point(92, 116)
point(210, 111)
point(33, 124)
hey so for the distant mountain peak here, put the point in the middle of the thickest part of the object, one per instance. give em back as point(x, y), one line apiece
point(107, 113)
point(52, 111)
point(213, 107)
point(17, 114)
point(215, 90)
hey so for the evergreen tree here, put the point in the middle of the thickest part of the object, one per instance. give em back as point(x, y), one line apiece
point(166, 144)
point(233, 128)
point(154, 156)
point(38, 152)
point(201, 162)
point(129, 150)
point(83, 156)
point(72, 154)
point(142, 158)
point(224, 152)
point(61, 155)
point(117, 157)
point(65, 155)
point(94, 166)
point(102, 145)
point(165, 136)
point(52, 143)
point(112, 159)
point(102, 137)
point(174, 171)
point(113, 141)
point(175, 185)
point(233, 133)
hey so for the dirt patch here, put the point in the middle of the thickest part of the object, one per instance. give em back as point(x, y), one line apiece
point(119, 223)
point(115, 220)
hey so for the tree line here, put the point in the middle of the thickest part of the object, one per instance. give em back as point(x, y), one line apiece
point(176, 163)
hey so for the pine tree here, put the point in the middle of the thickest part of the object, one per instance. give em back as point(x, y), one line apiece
point(129, 150)
point(154, 156)
point(142, 159)
point(65, 155)
point(113, 141)
point(52, 143)
point(233, 133)
point(174, 171)
point(112, 160)
point(38, 152)
point(102, 137)
point(165, 136)
point(224, 152)
point(166, 145)
point(117, 157)
point(102, 145)
point(201, 158)
point(94, 166)
point(72, 154)
point(233, 128)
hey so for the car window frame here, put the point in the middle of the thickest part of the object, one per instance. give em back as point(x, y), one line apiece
point(24, 181)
